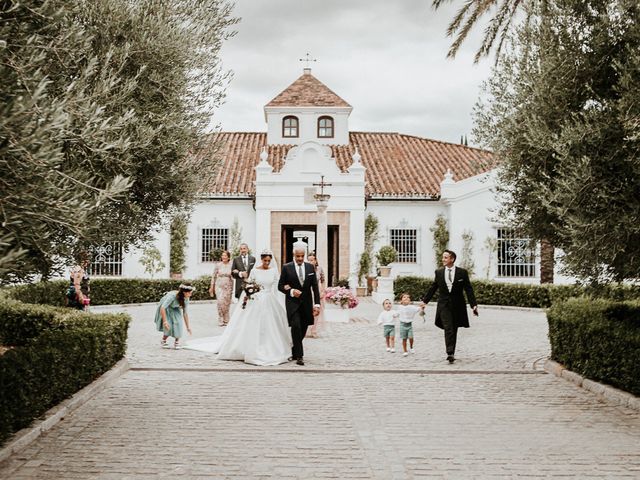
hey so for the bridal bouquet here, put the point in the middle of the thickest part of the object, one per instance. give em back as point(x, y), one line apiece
point(249, 289)
point(343, 297)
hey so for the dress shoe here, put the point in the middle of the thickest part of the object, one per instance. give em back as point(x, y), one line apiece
point(450, 358)
point(299, 362)
point(291, 359)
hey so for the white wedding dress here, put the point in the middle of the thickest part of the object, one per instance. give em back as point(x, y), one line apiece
point(258, 334)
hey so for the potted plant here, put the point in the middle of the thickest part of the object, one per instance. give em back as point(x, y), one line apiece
point(342, 300)
point(385, 256)
point(215, 255)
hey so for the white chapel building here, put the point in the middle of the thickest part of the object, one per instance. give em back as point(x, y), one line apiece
point(265, 183)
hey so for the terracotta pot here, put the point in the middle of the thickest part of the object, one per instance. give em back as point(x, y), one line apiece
point(385, 271)
point(361, 291)
point(176, 276)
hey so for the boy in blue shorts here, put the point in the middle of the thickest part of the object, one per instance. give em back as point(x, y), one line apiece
point(407, 312)
point(388, 320)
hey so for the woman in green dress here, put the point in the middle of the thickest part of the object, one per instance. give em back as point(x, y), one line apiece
point(171, 312)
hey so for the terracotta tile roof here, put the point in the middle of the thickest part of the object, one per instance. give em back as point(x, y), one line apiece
point(397, 164)
point(307, 91)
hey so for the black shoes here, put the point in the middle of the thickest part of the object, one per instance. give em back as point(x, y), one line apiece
point(299, 361)
point(450, 358)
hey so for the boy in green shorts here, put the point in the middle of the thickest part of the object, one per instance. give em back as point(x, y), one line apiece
point(406, 312)
point(388, 318)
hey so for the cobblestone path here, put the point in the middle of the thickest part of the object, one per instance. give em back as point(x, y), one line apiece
point(354, 411)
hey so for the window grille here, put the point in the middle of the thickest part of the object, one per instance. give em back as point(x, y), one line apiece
point(106, 259)
point(325, 127)
point(290, 126)
point(516, 255)
point(212, 238)
point(405, 241)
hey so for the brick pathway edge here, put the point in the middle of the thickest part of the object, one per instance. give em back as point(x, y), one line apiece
point(605, 392)
point(24, 437)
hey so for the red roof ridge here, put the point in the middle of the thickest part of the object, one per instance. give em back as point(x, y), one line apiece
point(307, 91)
point(424, 138)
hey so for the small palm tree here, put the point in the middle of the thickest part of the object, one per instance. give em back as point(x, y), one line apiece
point(469, 15)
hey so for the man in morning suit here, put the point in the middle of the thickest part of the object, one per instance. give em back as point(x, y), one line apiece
point(450, 282)
point(299, 284)
point(241, 268)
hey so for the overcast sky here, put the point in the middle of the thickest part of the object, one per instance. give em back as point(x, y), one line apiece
point(387, 58)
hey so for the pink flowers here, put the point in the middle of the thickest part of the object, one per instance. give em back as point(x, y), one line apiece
point(341, 296)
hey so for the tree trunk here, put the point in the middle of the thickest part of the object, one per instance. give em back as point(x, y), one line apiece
point(547, 261)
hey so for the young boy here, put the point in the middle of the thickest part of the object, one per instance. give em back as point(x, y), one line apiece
point(407, 312)
point(387, 319)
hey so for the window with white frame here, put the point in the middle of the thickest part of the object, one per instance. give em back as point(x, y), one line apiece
point(405, 241)
point(516, 254)
point(212, 238)
point(106, 259)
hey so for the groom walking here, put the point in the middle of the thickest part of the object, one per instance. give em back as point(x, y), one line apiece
point(299, 284)
point(451, 283)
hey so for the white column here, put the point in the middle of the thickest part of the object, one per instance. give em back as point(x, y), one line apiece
point(263, 213)
point(263, 232)
point(322, 201)
point(356, 245)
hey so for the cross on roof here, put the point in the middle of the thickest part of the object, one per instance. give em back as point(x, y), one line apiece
point(307, 59)
point(322, 184)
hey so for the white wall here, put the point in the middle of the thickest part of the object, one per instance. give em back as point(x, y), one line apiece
point(307, 124)
point(131, 266)
point(216, 213)
point(418, 214)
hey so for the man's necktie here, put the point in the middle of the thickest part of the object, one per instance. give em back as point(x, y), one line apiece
point(300, 275)
point(450, 279)
point(244, 262)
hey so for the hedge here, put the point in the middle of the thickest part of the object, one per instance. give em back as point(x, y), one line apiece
point(518, 294)
point(113, 291)
point(54, 352)
point(599, 339)
point(107, 291)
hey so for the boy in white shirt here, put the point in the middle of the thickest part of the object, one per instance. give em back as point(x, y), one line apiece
point(407, 312)
point(387, 319)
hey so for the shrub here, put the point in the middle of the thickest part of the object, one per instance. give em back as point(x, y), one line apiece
point(56, 352)
point(364, 266)
point(108, 291)
point(386, 255)
point(518, 294)
point(599, 339)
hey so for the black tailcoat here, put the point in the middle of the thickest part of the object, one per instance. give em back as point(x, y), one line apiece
point(453, 300)
point(310, 292)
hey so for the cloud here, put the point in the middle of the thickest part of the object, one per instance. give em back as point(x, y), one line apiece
point(387, 59)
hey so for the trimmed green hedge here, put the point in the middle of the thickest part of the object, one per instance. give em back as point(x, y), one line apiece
point(518, 294)
point(113, 291)
point(599, 339)
point(54, 353)
point(107, 291)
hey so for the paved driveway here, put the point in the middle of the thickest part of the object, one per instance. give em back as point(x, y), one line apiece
point(354, 411)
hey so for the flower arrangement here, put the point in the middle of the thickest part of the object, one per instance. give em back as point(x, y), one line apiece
point(249, 289)
point(341, 296)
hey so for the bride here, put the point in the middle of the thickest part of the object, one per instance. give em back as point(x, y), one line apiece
point(259, 333)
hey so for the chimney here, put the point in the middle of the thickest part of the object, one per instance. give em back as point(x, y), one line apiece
point(306, 71)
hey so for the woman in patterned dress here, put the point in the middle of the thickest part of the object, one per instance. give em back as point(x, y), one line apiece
point(222, 287)
point(318, 321)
